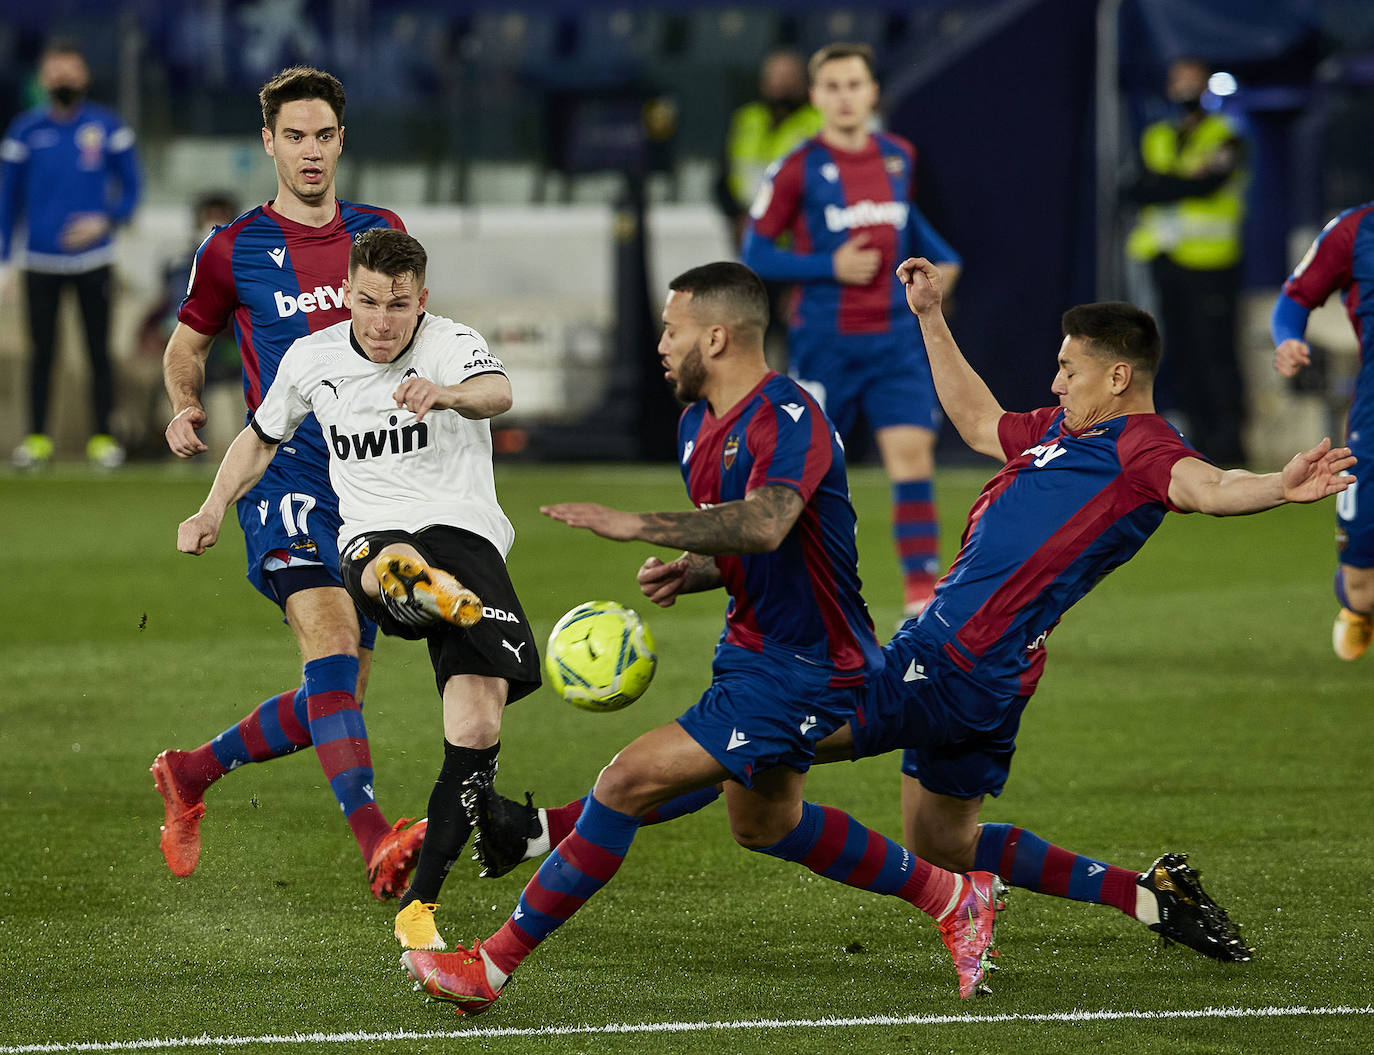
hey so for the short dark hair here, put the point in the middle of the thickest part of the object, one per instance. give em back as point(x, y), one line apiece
point(300, 82)
point(62, 46)
point(389, 252)
point(734, 292)
point(842, 50)
point(1116, 329)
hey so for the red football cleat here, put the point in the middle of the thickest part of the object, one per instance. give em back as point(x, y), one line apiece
point(394, 857)
point(967, 931)
point(459, 977)
point(181, 816)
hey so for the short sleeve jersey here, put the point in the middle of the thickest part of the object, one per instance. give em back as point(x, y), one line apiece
point(277, 281)
point(389, 470)
point(804, 597)
point(822, 196)
point(1066, 509)
point(1342, 258)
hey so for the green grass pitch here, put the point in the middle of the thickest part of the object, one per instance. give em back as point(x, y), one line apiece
point(1191, 702)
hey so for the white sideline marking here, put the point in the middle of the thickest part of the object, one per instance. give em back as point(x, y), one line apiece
point(206, 1041)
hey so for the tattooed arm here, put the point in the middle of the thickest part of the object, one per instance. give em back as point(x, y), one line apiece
point(690, 573)
point(755, 524)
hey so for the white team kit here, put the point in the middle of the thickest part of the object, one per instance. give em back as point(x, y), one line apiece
point(389, 470)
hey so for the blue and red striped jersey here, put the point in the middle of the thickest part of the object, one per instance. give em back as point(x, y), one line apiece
point(820, 196)
point(804, 596)
point(1064, 510)
point(1342, 258)
point(278, 280)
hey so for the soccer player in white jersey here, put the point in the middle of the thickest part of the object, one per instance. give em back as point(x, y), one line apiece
point(403, 399)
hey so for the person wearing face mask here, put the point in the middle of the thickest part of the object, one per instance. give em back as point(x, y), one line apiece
point(69, 172)
point(760, 133)
point(763, 131)
point(1191, 199)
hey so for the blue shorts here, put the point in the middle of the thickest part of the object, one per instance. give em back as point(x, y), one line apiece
point(766, 709)
point(1355, 533)
point(885, 377)
point(290, 522)
point(956, 737)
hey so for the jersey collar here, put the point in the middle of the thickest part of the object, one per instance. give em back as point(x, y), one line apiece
point(353, 340)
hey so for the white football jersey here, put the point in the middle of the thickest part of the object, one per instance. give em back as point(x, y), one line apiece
point(389, 470)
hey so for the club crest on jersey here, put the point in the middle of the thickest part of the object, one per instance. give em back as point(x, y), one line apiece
point(730, 450)
point(894, 165)
point(393, 440)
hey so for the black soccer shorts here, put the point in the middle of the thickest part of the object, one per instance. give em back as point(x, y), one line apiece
point(499, 645)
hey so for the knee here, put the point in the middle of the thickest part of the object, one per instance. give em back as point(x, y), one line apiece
point(627, 787)
point(755, 833)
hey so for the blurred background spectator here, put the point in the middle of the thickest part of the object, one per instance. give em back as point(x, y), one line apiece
point(68, 176)
point(516, 132)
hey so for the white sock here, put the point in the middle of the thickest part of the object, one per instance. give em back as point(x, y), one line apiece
point(1146, 905)
point(539, 845)
point(496, 977)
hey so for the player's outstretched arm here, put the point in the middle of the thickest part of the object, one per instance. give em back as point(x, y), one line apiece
point(1309, 476)
point(756, 523)
point(183, 375)
point(966, 399)
point(244, 463)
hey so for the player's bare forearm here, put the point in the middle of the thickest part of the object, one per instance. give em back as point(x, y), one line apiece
point(756, 524)
point(183, 375)
point(1309, 476)
point(965, 397)
point(244, 463)
point(183, 367)
point(703, 573)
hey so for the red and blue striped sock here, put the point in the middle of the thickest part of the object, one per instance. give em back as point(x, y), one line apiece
point(559, 821)
point(577, 868)
point(274, 728)
point(340, 738)
point(833, 844)
point(916, 532)
point(1338, 587)
point(1024, 859)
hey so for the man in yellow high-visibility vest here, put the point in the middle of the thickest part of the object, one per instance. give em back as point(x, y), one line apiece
point(763, 131)
point(1191, 195)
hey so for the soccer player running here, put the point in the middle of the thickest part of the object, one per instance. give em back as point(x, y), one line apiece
point(1341, 258)
point(403, 398)
point(845, 200)
point(772, 525)
point(277, 271)
point(1084, 485)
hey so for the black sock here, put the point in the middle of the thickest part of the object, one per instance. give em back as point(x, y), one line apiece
point(448, 822)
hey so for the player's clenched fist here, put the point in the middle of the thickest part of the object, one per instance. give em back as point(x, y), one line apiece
point(923, 281)
point(662, 581)
point(196, 534)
